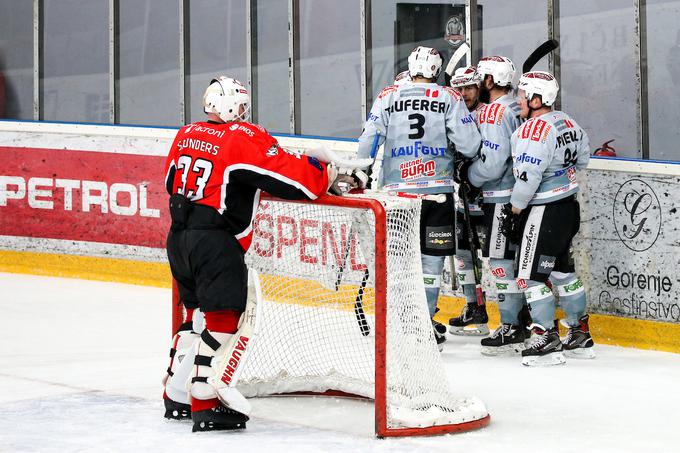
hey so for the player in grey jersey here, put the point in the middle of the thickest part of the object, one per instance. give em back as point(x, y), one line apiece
point(492, 172)
point(416, 120)
point(543, 216)
point(467, 82)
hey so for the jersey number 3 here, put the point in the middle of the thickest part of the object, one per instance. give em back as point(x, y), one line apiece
point(417, 127)
point(195, 176)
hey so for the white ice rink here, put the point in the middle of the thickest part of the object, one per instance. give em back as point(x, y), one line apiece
point(81, 364)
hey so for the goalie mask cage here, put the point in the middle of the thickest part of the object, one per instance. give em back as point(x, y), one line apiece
point(343, 312)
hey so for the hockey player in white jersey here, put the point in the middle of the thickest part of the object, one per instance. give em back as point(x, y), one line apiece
point(467, 82)
point(543, 217)
point(492, 172)
point(416, 120)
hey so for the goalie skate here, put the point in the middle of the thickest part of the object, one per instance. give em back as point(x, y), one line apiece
point(472, 321)
point(218, 418)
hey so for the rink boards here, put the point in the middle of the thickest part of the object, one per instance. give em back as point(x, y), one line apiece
point(88, 201)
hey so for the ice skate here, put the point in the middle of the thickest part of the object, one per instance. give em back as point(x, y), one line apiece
point(218, 418)
point(439, 334)
point(506, 339)
point(544, 349)
point(175, 410)
point(578, 342)
point(472, 321)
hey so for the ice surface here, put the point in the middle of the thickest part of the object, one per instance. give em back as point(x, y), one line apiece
point(81, 364)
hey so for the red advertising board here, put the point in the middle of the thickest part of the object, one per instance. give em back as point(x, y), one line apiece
point(111, 198)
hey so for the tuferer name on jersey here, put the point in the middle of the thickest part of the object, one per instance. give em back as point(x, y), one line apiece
point(417, 104)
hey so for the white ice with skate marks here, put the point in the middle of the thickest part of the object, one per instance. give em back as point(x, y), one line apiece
point(82, 363)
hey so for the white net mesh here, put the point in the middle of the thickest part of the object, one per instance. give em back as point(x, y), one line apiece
point(317, 334)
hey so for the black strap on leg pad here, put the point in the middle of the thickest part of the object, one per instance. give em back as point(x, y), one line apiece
point(210, 340)
point(202, 360)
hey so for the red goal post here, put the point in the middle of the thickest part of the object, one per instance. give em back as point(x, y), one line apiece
point(341, 284)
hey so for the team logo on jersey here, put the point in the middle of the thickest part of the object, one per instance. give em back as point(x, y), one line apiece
point(432, 93)
point(468, 119)
point(273, 151)
point(413, 169)
point(525, 158)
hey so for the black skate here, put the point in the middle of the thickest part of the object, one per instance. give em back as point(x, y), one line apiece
point(578, 343)
point(472, 321)
point(506, 339)
point(439, 334)
point(439, 327)
point(218, 418)
point(544, 348)
point(176, 411)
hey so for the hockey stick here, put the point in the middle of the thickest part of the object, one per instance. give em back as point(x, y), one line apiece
point(358, 302)
point(540, 52)
point(456, 57)
point(473, 247)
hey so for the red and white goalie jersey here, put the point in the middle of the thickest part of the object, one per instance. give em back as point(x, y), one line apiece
point(227, 165)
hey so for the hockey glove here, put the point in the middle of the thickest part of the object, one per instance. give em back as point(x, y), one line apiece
point(510, 224)
point(342, 180)
point(460, 167)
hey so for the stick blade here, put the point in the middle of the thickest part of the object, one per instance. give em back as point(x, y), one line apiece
point(540, 52)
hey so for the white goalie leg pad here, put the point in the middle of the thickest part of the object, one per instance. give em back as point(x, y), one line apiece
point(229, 361)
point(181, 362)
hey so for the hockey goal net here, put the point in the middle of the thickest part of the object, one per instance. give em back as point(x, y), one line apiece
point(343, 312)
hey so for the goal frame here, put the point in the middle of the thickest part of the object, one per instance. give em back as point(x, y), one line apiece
point(380, 276)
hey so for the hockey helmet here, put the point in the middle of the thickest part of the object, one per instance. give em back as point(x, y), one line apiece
point(425, 62)
point(224, 97)
point(465, 76)
point(541, 83)
point(502, 69)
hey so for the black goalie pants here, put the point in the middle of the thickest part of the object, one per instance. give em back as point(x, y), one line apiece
point(208, 265)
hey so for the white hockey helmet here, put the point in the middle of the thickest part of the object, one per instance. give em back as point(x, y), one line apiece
point(502, 69)
point(402, 78)
point(224, 97)
point(541, 83)
point(465, 76)
point(425, 62)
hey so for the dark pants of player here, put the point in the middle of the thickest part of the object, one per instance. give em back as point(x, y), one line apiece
point(437, 241)
point(208, 263)
point(501, 254)
point(545, 252)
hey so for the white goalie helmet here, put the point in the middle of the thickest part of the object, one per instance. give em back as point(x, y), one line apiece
point(224, 97)
point(402, 78)
point(465, 76)
point(425, 62)
point(502, 69)
point(541, 83)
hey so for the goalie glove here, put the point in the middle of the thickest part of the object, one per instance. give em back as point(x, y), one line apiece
point(343, 179)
